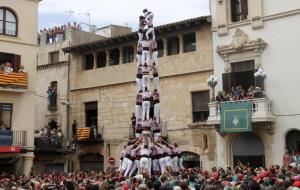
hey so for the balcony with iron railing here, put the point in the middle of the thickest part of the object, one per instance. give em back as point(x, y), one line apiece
point(49, 144)
point(260, 109)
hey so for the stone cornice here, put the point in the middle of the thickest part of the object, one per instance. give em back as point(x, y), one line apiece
point(240, 42)
point(52, 65)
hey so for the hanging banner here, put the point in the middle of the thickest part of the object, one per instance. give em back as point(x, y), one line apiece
point(236, 117)
point(6, 137)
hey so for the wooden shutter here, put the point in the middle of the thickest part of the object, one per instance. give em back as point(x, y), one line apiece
point(244, 9)
point(227, 82)
point(200, 101)
point(233, 10)
point(16, 63)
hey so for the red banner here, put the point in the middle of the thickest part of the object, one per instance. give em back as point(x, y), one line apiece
point(9, 149)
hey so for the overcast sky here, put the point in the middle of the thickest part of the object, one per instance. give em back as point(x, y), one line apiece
point(119, 12)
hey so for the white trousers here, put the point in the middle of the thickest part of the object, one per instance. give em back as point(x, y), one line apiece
point(139, 60)
point(162, 165)
point(157, 110)
point(144, 163)
point(146, 82)
point(138, 112)
point(146, 110)
point(175, 166)
point(145, 57)
point(149, 166)
point(156, 83)
point(124, 164)
point(136, 165)
point(129, 166)
point(155, 165)
point(168, 161)
point(154, 57)
point(150, 30)
point(140, 36)
point(181, 163)
point(120, 165)
point(139, 84)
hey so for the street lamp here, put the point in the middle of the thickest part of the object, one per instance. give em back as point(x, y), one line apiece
point(212, 81)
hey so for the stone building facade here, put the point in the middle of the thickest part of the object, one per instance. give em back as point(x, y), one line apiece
point(53, 69)
point(102, 76)
point(18, 84)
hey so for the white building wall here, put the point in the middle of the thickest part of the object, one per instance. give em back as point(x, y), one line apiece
point(280, 60)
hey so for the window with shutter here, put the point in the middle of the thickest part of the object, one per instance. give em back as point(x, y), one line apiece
point(200, 102)
point(16, 63)
point(101, 59)
point(244, 9)
point(173, 45)
point(239, 10)
point(88, 62)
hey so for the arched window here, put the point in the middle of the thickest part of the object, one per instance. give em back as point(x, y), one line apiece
point(293, 141)
point(8, 22)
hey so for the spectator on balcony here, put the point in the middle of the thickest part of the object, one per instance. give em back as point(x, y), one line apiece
point(94, 130)
point(220, 97)
point(258, 93)
point(2, 67)
point(52, 96)
point(8, 67)
point(74, 128)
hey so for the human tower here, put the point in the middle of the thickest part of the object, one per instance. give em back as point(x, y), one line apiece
point(148, 153)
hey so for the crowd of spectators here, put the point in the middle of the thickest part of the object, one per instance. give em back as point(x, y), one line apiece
point(48, 137)
point(243, 177)
point(57, 33)
point(238, 93)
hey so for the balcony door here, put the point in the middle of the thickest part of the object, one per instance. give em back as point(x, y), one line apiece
point(242, 74)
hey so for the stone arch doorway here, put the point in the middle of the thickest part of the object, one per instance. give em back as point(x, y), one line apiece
point(191, 160)
point(292, 140)
point(248, 148)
